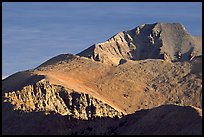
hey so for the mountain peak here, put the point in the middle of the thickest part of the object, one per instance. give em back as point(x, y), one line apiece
point(83, 96)
point(168, 41)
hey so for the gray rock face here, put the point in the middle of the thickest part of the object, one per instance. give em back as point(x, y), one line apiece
point(169, 41)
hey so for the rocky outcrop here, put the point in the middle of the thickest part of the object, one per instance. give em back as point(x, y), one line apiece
point(48, 98)
point(169, 41)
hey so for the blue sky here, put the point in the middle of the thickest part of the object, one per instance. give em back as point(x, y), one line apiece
point(33, 32)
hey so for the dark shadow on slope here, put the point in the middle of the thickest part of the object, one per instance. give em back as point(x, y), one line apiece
point(196, 65)
point(57, 59)
point(19, 80)
point(166, 119)
point(145, 48)
point(122, 61)
point(87, 52)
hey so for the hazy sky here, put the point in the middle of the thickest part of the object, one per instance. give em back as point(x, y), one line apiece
point(33, 32)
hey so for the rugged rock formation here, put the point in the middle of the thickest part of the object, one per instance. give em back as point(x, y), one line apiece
point(48, 98)
point(169, 41)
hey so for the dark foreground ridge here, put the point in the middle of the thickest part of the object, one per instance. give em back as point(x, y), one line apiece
point(162, 120)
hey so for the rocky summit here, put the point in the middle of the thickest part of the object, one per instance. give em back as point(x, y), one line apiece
point(144, 81)
point(169, 41)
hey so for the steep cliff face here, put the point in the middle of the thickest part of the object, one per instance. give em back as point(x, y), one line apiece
point(48, 98)
point(169, 41)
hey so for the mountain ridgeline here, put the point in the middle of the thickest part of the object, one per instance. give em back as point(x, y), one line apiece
point(169, 41)
point(147, 80)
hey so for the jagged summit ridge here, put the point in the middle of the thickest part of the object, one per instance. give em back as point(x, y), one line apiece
point(168, 41)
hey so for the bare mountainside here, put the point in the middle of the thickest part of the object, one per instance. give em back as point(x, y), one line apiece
point(150, 66)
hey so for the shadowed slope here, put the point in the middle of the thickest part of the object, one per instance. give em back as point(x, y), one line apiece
point(162, 120)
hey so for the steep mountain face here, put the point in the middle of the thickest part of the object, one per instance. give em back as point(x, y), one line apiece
point(169, 41)
point(149, 66)
point(48, 98)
